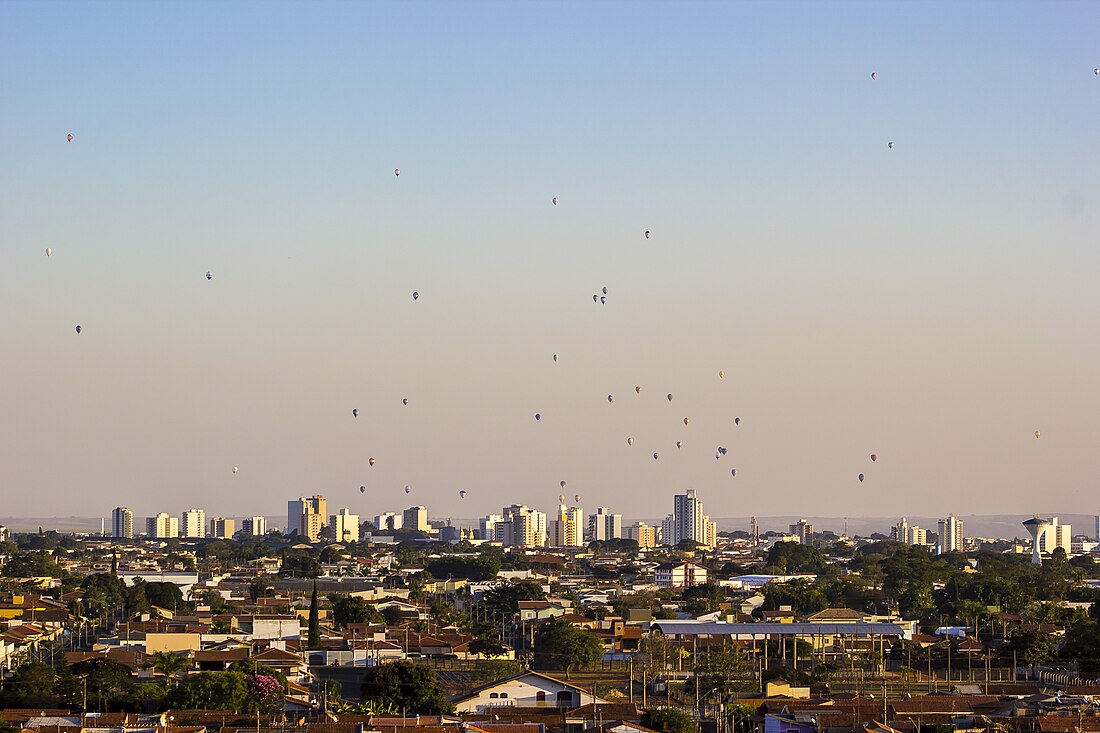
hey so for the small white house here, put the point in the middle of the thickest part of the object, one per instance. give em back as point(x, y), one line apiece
point(526, 690)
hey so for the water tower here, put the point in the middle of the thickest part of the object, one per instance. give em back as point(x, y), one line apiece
point(1037, 527)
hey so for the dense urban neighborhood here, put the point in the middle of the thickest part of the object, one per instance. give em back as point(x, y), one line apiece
point(523, 625)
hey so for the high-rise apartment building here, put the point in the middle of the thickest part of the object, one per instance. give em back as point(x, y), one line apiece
point(162, 526)
point(804, 530)
point(710, 536)
point(603, 525)
point(642, 533)
point(122, 523)
point(306, 515)
point(522, 526)
point(416, 518)
point(254, 526)
point(194, 523)
point(388, 522)
point(486, 527)
point(951, 535)
point(668, 530)
point(222, 528)
point(690, 523)
point(345, 526)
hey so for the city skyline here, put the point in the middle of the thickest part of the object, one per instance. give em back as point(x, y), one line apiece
point(815, 264)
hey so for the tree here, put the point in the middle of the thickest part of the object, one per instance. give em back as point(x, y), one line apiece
point(1082, 645)
point(145, 697)
point(352, 610)
point(32, 686)
point(105, 678)
point(504, 599)
point(169, 664)
point(300, 565)
point(476, 569)
point(210, 691)
point(407, 686)
point(668, 720)
point(260, 588)
point(35, 564)
point(488, 648)
point(164, 595)
point(313, 639)
point(794, 557)
point(559, 645)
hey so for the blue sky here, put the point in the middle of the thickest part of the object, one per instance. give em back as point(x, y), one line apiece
point(934, 303)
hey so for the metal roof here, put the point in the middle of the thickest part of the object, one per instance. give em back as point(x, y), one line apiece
point(748, 631)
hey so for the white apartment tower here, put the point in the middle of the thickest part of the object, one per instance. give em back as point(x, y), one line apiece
point(162, 526)
point(416, 518)
point(122, 523)
point(194, 523)
point(603, 525)
point(254, 526)
point(690, 522)
point(222, 528)
point(951, 535)
point(305, 516)
point(668, 530)
point(346, 526)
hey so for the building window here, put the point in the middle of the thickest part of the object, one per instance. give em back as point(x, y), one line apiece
point(493, 696)
point(540, 696)
point(504, 694)
point(565, 697)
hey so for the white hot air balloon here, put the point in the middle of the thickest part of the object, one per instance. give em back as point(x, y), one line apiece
point(408, 489)
point(235, 469)
point(554, 201)
point(49, 251)
point(462, 494)
point(209, 275)
point(397, 171)
point(647, 234)
point(679, 444)
point(630, 441)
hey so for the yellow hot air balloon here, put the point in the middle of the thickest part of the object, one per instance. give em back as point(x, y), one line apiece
point(721, 374)
point(1036, 435)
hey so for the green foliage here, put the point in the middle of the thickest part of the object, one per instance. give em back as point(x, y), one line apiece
point(669, 720)
point(313, 637)
point(503, 600)
point(1034, 648)
point(406, 686)
point(300, 565)
point(1082, 645)
point(38, 563)
point(105, 678)
point(32, 686)
point(476, 569)
point(794, 557)
point(488, 648)
point(353, 610)
point(558, 645)
point(260, 588)
point(164, 595)
point(801, 595)
point(145, 697)
point(700, 599)
point(210, 691)
point(488, 670)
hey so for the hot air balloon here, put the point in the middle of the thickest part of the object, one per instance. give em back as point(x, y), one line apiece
point(603, 299)
point(1096, 72)
point(733, 472)
point(538, 416)
point(685, 421)
point(416, 295)
point(362, 489)
point(554, 201)
point(462, 494)
point(596, 298)
point(736, 421)
point(1036, 432)
point(78, 331)
point(670, 397)
point(561, 498)
point(861, 478)
point(630, 441)
point(721, 450)
point(605, 290)
point(654, 456)
point(890, 145)
point(638, 389)
point(69, 137)
point(874, 457)
point(576, 497)
point(405, 401)
point(355, 412)
point(555, 358)
point(647, 234)
point(721, 374)
point(49, 251)
point(209, 275)
point(609, 398)
point(408, 489)
point(874, 75)
point(235, 469)
point(679, 444)
point(371, 461)
point(397, 171)
point(562, 484)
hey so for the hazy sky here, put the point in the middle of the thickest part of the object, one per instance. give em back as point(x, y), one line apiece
point(934, 303)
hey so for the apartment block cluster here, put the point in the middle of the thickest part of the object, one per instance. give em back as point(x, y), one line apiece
point(305, 515)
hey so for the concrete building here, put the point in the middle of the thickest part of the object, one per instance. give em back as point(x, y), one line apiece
point(951, 535)
point(388, 521)
point(667, 534)
point(222, 528)
point(643, 534)
point(804, 530)
point(680, 575)
point(193, 522)
point(522, 526)
point(603, 525)
point(1047, 535)
point(688, 513)
point(162, 526)
point(908, 534)
point(415, 518)
point(254, 526)
point(122, 523)
point(306, 515)
point(486, 528)
point(345, 526)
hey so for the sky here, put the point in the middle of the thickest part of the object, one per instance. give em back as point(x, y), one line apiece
point(934, 302)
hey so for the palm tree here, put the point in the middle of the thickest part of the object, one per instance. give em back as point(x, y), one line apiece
point(169, 664)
